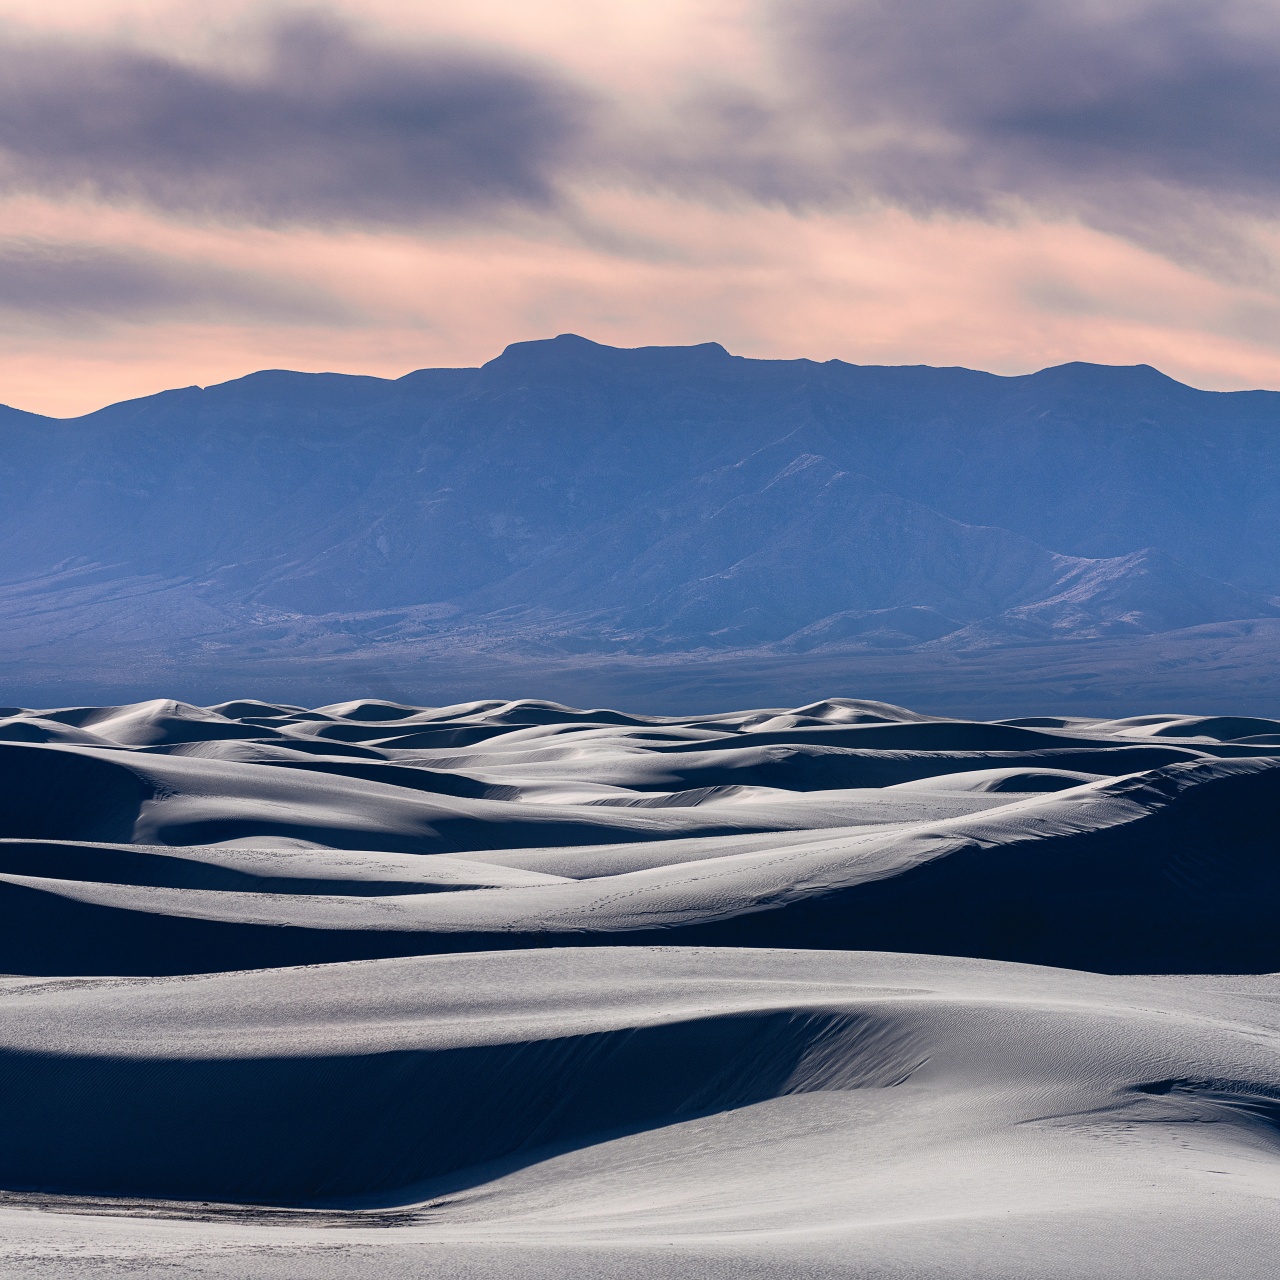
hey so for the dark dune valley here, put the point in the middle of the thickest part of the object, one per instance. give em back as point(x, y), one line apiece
point(510, 988)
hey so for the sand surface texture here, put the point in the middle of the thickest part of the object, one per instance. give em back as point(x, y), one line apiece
point(510, 989)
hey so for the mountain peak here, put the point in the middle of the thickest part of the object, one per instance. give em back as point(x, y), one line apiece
point(567, 350)
point(1085, 376)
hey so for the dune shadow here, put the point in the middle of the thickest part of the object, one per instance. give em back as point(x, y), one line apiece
point(393, 1128)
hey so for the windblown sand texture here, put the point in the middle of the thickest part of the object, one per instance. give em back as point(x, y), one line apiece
point(510, 989)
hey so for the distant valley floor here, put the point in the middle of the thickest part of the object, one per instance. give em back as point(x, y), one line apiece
point(1230, 667)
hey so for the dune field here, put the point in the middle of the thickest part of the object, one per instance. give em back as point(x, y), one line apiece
point(516, 990)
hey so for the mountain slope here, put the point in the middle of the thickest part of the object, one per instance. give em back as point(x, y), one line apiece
point(754, 552)
point(569, 497)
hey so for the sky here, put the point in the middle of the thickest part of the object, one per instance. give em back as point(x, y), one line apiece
point(191, 191)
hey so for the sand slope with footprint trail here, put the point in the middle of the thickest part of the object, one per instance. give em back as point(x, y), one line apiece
point(513, 989)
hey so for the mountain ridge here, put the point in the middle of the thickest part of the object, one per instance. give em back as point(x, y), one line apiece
point(573, 498)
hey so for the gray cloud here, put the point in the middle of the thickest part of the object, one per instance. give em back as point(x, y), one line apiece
point(1149, 116)
point(91, 285)
point(1155, 119)
point(1158, 120)
point(330, 129)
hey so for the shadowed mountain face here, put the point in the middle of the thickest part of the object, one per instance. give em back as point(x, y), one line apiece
point(572, 498)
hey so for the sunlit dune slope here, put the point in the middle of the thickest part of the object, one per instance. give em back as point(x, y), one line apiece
point(162, 838)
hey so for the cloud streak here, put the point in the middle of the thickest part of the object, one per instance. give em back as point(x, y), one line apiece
point(329, 130)
point(1153, 118)
point(1043, 94)
point(88, 284)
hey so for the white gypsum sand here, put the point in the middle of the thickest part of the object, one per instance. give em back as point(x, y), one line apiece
point(515, 990)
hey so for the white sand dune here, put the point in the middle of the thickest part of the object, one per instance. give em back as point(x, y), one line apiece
point(511, 989)
point(162, 838)
point(636, 1111)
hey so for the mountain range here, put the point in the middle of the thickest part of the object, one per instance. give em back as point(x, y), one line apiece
point(573, 503)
